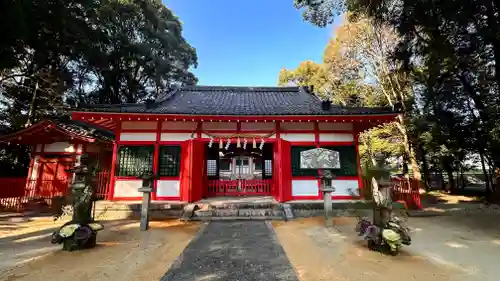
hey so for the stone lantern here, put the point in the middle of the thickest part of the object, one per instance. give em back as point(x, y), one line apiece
point(323, 160)
point(146, 189)
point(80, 232)
point(82, 191)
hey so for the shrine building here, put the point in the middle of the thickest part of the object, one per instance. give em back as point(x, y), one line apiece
point(204, 141)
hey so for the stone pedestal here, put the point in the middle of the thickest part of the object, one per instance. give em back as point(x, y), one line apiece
point(146, 189)
point(327, 200)
point(146, 200)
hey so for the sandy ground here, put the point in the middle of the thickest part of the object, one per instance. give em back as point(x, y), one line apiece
point(458, 247)
point(123, 252)
point(339, 254)
point(468, 243)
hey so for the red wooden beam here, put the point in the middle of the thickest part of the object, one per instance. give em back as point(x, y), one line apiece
point(374, 118)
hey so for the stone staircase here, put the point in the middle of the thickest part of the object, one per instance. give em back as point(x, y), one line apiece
point(239, 209)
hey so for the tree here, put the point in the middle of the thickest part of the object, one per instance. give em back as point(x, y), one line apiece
point(308, 73)
point(451, 52)
point(360, 72)
point(64, 52)
point(93, 51)
point(140, 53)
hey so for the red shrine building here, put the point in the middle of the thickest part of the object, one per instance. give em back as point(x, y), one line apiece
point(204, 141)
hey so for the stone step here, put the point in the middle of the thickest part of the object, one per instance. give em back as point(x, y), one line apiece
point(234, 218)
point(238, 205)
point(238, 213)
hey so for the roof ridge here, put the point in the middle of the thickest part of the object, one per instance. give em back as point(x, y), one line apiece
point(241, 88)
point(166, 97)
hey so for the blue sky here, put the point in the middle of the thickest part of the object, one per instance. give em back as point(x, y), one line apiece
point(247, 42)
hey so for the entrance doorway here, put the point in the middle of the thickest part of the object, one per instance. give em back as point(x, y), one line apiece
point(239, 171)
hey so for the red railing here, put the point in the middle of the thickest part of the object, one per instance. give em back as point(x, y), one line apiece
point(239, 187)
point(407, 191)
point(17, 193)
point(102, 185)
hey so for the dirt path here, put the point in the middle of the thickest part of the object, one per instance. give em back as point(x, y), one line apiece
point(321, 254)
point(469, 243)
point(123, 253)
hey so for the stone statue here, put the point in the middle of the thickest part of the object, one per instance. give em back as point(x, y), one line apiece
point(80, 232)
point(381, 192)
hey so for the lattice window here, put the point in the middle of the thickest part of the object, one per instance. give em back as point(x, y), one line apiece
point(134, 161)
point(169, 161)
point(348, 161)
point(268, 168)
point(211, 168)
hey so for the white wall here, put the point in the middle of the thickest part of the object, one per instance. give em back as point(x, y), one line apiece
point(345, 187)
point(127, 188)
point(175, 136)
point(336, 137)
point(305, 188)
point(139, 125)
point(297, 137)
point(168, 188)
point(59, 147)
point(137, 136)
point(311, 187)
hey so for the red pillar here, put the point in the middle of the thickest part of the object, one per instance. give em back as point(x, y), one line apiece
point(284, 171)
point(192, 161)
point(358, 161)
point(156, 159)
point(112, 172)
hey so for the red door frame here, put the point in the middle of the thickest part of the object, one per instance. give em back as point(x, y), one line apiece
point(192, 170)
point(282, 171)
point(56, 180)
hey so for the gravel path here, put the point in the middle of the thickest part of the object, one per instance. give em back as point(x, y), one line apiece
point(233, 251)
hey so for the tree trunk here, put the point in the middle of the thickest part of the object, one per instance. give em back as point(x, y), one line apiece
point(486, 177)
point(31, 111)
point(408, 150)
point(451, 180)
point(441, 178)
point(425, 167)
point(462, 178)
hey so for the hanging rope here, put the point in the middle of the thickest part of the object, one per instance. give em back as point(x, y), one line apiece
point(238, 135)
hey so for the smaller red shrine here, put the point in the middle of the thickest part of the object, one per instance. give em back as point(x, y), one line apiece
point(203, 142)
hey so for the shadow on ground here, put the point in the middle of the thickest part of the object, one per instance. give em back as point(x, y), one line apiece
point(123, 253)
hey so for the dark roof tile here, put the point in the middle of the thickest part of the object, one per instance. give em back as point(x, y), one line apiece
point(216, 100)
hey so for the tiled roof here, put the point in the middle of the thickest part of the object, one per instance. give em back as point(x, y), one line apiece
point(51, 127)
point(212, 100)
point(84, 129)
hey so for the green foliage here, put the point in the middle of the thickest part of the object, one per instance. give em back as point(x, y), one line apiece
point(384, 140)
point(308, 73)
point(55, 54)
point(95, 51)
point(450, 52)
point(357, 71)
